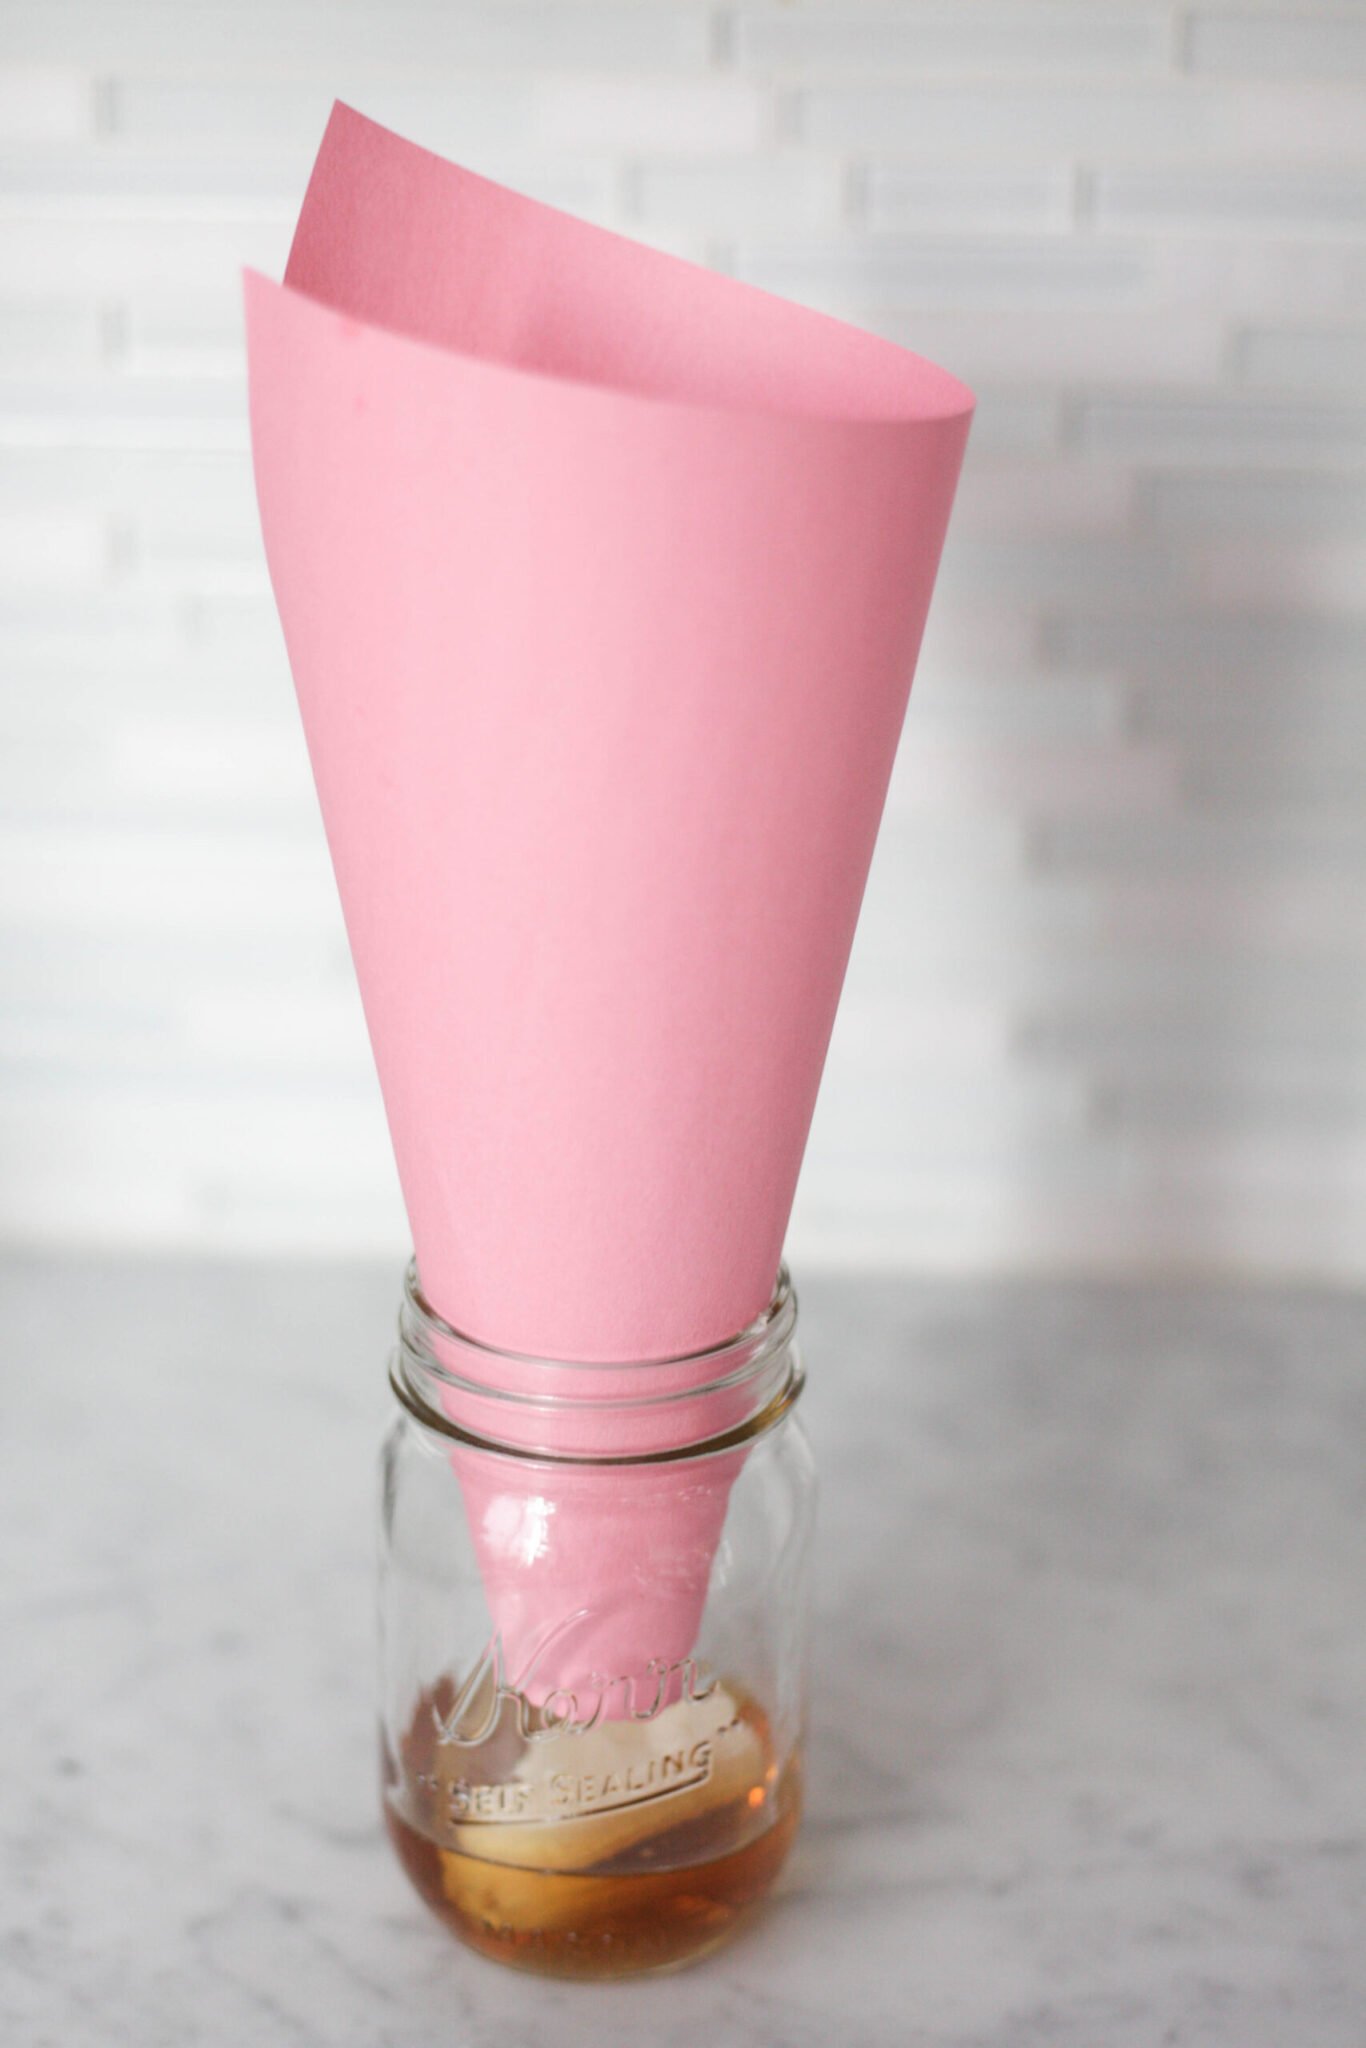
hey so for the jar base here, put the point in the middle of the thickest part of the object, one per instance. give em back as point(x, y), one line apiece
point(589, 1926)
point(698, 1866)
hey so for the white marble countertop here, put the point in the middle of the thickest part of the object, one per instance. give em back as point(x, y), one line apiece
point(1088, 1765)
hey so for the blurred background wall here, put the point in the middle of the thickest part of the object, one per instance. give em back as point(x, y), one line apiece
point(1107, 1008)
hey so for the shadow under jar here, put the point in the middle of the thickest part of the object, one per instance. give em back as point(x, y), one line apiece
point(592, 1640)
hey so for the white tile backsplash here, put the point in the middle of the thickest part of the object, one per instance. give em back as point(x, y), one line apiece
point(1225, 430)
point(1317, 201)
point(774, 192)
point(985, 273)
point(1282, 506)
point(1107, 1006)
point(1093, 345)
point(1269, 42)
point(1031, 36)
point(1133, 120)
point(1011, 199)
point(1303, 359)
point(43, 105)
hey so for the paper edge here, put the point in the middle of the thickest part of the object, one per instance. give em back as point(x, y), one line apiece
point(958, 400)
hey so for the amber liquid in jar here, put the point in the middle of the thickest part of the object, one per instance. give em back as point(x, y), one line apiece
point(635, 1845)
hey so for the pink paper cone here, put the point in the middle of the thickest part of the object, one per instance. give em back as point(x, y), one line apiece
point(602, 579)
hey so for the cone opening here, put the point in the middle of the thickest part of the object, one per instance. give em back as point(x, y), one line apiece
point(399, 238)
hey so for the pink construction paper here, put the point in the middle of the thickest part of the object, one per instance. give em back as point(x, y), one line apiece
point(602, 579)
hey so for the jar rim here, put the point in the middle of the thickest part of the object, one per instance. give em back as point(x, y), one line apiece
point(742, 1433)
point(555, 1411)
point(772, 1327)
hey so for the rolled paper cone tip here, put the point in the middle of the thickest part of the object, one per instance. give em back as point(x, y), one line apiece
point(602, 579)
point(596, 1576)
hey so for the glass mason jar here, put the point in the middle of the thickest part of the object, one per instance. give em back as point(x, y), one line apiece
point(592, 1640)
